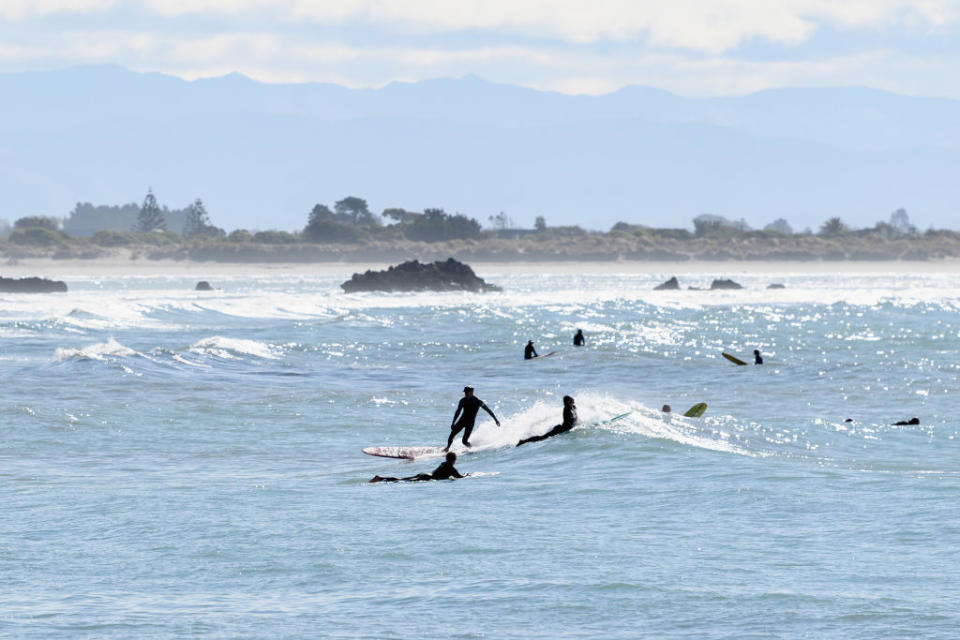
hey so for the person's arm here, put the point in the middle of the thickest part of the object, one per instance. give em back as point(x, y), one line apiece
point(457, 413)
point(457, 474)
point(487, 409)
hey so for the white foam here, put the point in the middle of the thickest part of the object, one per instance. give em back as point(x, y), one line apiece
point(98, 351)
point(595, 411)
point(232, 348)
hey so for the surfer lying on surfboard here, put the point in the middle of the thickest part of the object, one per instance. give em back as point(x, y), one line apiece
point(445, 471)
point(569, 422)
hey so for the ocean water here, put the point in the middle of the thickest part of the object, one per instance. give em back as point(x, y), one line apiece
point(188, 464)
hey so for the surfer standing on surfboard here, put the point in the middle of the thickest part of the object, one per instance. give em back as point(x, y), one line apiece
point(467, 411)
point(529, 351)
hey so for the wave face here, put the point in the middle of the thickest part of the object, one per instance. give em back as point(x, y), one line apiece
point(198, 454)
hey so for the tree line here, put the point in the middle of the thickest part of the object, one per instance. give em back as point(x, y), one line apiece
point(350, 220)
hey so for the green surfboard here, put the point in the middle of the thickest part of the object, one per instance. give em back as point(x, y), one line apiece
point(696, 410)
point(734, 359)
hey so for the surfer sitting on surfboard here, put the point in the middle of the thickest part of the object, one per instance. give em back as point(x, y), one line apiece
point(569, 421)
point(756, 357)
point(469, 405)
point(445, 471)
point(529, 351)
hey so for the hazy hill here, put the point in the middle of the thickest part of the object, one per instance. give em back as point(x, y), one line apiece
point(260, 155)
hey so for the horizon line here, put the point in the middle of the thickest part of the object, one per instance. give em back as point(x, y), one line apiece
point(470, 75)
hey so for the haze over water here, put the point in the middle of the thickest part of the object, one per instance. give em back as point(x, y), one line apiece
point(177, 463)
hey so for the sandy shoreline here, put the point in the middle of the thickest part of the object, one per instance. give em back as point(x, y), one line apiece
point(65, 269)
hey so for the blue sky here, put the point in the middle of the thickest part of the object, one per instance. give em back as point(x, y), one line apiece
point(691, 47)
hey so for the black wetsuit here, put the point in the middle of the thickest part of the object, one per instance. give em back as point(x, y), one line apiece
point(469, 407)
point(569, 421)
point(578, 339)
point(529, 352)
point(445, 471)
point(757, 359)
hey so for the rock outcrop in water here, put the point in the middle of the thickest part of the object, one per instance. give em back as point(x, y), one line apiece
point(31, 285)
point(670, 285)
point(203, 285)
point(725, 284)
point(449, 275)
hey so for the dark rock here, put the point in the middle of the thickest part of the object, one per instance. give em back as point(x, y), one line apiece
point(670, 285)
point(775, 285)
point(725, 284)
point(31, 285)
point(414, 276)
point(203, 285)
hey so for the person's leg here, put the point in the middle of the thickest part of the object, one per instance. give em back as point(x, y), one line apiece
point(382, 479)
point(466, 435)
point(557, 429)
point(454, 430)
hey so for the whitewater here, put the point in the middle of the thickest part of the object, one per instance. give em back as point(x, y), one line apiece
point(176, 463)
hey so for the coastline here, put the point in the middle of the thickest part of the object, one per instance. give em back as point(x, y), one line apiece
point(121, 266)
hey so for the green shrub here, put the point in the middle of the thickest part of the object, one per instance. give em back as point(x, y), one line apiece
point(240, 235)
point(112, 239)
point(44, 222)
point(38, 237)
point(156, 238)
point(275, 237)
point(332, 232)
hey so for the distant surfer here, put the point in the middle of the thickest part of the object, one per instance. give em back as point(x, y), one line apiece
point(528, 351)
point(666, 408)
point(445, 471)
point(569, 422)
point(756, 357)
point(904, 423)
point(467, 413)
point(578, 339)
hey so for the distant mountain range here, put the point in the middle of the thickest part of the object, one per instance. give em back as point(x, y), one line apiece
point(261, 155)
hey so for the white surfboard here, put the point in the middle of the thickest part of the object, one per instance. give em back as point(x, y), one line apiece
point(406, 453)
point(545, 355)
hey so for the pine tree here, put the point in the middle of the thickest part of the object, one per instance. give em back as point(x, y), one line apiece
point(150, 217)
point(198, 222)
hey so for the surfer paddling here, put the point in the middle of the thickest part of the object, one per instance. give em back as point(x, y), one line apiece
point(528, 351)
point(467, 413)
point(569, 421)
point(445, 471)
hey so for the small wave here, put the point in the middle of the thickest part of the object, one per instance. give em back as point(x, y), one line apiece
point(595, 412)
point(99, 351)
point(233, 348)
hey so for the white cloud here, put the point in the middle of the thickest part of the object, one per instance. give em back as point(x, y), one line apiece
point(682, 45)
point(711, 26)
point(21, 9)
point(269, 57)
